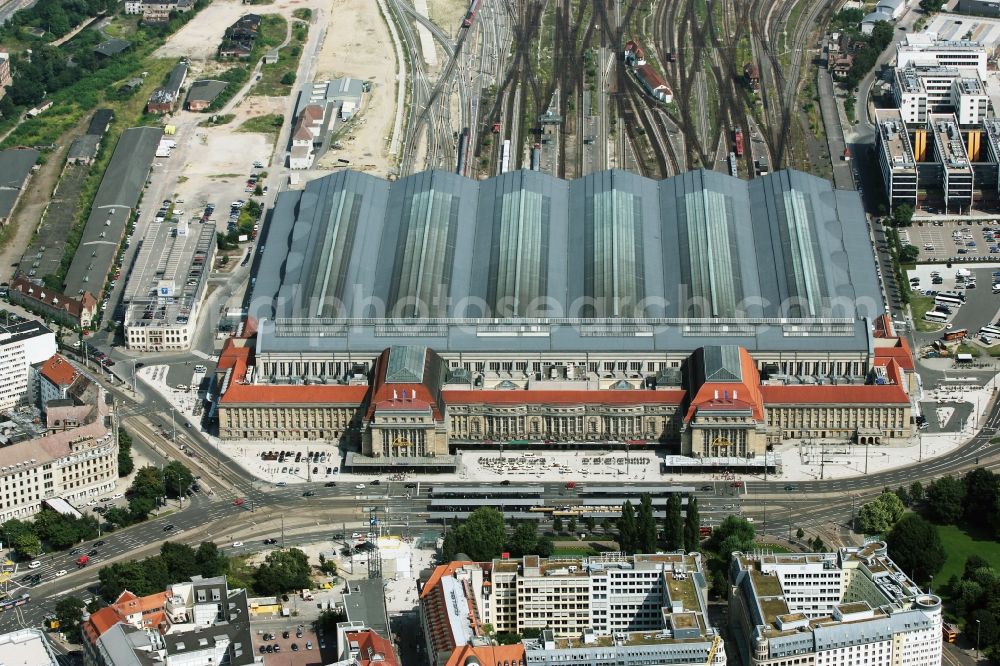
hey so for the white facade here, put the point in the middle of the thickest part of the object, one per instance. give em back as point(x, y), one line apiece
point(133, 6)
point(74, 464)
point(923, 89)
point(22, 346)
point(832, 609)
point(926, 49)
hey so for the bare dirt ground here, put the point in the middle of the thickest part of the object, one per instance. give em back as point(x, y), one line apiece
point(348, 51)
point(448, 14)
point(219, 159)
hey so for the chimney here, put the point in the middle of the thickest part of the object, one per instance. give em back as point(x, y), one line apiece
point(395, 396)
point(716, 394)
point(734, 394)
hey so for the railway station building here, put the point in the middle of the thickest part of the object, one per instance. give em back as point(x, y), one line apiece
point(702, 311)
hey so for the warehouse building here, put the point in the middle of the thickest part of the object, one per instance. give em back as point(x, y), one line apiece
point(114, 203)
point(166, 286)
point(16, 166)
point(854, 606)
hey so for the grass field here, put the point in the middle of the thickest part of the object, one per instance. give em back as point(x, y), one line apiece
point(959, 545)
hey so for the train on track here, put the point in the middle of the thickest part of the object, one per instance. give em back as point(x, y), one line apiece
point(738, 141)
point(463, 153)
point(470, 16)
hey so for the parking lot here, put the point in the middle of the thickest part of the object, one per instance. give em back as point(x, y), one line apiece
point(942, 241)
point(281, 636)
point(981, 300)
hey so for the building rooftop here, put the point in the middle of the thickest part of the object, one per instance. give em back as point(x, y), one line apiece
point(406, 261)
point(59, 371)
point(27, 646)
point(168, 273)
point(205, 90)
point(948, 142)
point(895, 140)
point(116, 197)
point(365, 602)
point(15, 166)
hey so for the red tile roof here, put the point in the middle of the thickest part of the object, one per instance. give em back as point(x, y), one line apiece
point(900, 352)
point(488, 654)
point(731, 395)
point(651, 77)
point(867, 394)
point(335, 394)
point(370, 645)
point(443, 570)
point(606, 397)
point(59, 371)
point(386, 393)
point(150, 607)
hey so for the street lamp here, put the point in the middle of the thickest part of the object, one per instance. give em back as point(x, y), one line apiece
point(978, 627)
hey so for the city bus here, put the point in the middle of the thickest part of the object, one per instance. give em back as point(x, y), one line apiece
point(948, 299)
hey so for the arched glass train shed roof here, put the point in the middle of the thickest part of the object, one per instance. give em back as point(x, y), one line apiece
point(613, 253)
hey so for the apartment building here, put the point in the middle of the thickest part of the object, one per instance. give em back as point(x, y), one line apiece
point(72, 456)
point(55, 377)
point(197, 622)
point(854, 606)
point(590, 609)
point(22, 346)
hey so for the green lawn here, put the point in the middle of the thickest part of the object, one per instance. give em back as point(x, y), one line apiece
point(920, 305)
point(959, 545)
point(268, 124)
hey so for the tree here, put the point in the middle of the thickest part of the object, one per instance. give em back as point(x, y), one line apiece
point(916, 492)
point(915, 545)
point(692, 526)
point(177, 479)
point(68, 611)
point(818, 545)
point(627, 535)
point(904, 495)
point(524, 539)
point(210, 560)
point(282, 571)
point(180, 559)
point(646, 526)
point(733, 534)
point(118, 516)
point(288, 79)
point(557, 525)
point(982, 499)
point(945, 499)
point(125, 462)
point(545, 547)
point(481, 536)
point(799, 533)
point(673, 523)
point(571, 526)
point(908, 254)
point(591, 523)
point(902, 215)
point(21, 536)
point(148, 483)
point(877, 516)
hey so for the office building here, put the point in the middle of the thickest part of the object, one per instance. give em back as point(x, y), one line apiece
point(588, 609)
point(854, 606)
point(198, 622)
point(22, 346)
point(55, 377)
point(923, 89)
point(167, 284)
point(924, 48)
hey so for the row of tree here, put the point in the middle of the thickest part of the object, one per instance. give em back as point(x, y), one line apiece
point(149, 488)
point(637, 533)
point(975, 598)
point(49, 530)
